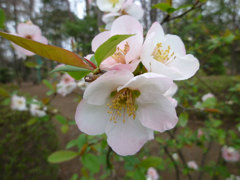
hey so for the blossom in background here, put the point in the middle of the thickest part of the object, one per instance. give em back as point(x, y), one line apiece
point(206, 96)
point(166, 54)
point(233, 177)
point(110, 5)
point(29, 31)
point(175, 156)
point(128, 8)
point(192, 165)
point(36, 109)
point(230, 154)
point(82, 84)
point(18, 103)
point(152, 174)
point(170, 93)
point(127, 108)
point(66, 85)
point(128, 51)
point(200, 133)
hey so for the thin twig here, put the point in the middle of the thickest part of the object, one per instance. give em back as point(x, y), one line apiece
point(108, 161)
point(174, 162)
point(168, 18)
point(180, 154)
point(204, 156)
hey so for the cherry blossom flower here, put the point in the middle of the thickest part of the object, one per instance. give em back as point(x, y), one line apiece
point(66, 85)
point(200, 133)
point(28, 31)
point(18, 103)
point(110, 5)
point(127, 108)
point(166, 54)
point(192, 165)
point(175, 156)
point(229, 154)
point(36, 109)
point(206, 96)
point(128, 51)
point(128, 8)
point(152, 174)
point(82, 84)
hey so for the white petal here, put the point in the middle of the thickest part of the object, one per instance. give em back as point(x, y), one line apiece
point(171, 91)
point(98, 91)
point(159, 116)
point(108, 6)
point(25, 29)
point(187, 66)
point(155, 32)
point(127, 138)
point(148, 84)
point(135, 11)
point(91, 119)
point(175, 43)
point(99, 39)
point(109, 18)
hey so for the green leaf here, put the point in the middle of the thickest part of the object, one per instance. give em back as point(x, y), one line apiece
point(78, 75)
point(209, 102)
point(2, 18)
point(165, 7)
point(48, 51)
point(183, 119)
point(61, 119)
point(62, 156)
point(48, 84)
point(91, 162)
point(74, 176)
point(4, 93)
point(31, 64)
point(109, 47)
point(68, 68)
point(151, 162)
point(64, 128)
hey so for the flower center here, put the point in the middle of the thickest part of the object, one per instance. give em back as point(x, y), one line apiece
point(20, 102)
point(163, 55)
point(119, 55)
point(122, 104)
point(114, 2)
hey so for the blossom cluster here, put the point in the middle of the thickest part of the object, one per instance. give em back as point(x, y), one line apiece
point(117, 8)
point(19, 103)
point(129, 106)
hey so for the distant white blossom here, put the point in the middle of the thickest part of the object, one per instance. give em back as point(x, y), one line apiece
point(206, 96)
point(152, 174)
point(66, 85)
point(37, 110)
point(18, 103)
point(192, 165)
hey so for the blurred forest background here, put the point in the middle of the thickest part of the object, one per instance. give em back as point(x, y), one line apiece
point(210, 30)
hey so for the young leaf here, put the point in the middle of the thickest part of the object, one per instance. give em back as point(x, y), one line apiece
point(48, 51)
point(68, 68)
point(165, 7)
point(78, 75)
point(91, 162)
point(2, 18)
point(62, 156)
point(109, 47)
point(151, 162)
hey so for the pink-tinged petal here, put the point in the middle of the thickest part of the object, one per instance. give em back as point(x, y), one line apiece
point(187, 66)
point(99, 91)
point(176, 44)
point(126, 4)
point(40, 39)
point(88, 57)
point(99, 39)
point(25, 29)
point(127, 138)
point(149, 83)
point(173, 101)
point(135, 11)
point(22, 51)
point(159, 116)
point(91, 119)
point(155, 30)
point(129, 25)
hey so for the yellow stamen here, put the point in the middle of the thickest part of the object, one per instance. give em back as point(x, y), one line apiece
point(163, 55)
point(119, 55)
point(122, 104)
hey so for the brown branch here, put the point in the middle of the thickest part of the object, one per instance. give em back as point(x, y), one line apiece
point(168, 18)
